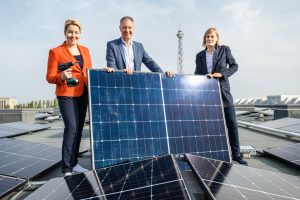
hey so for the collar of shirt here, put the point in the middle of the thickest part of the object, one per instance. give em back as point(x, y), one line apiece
point(128, 55)
point(211, 52)
point(127, 45)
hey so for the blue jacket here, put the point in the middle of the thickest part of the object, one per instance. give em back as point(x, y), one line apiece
point(224, 63)
point(115, 56)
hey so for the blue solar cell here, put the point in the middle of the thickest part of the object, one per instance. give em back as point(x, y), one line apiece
point(8, 184)
point(26, 159)
point(155, 178)
point(148, 114)
point(289, 153)
point(223, 180)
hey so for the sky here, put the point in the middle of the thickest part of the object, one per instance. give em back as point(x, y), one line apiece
point(263, 36)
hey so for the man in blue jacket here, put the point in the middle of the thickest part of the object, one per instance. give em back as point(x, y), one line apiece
point(126, 54)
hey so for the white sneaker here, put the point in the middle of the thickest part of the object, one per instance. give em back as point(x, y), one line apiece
point(68, 174)
point(77, 168)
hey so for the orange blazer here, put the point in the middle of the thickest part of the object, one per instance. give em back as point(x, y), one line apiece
point(59, 55)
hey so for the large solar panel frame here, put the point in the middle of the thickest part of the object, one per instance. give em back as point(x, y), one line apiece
point(25, 159)
point(289, 154)
point(8, 184)
point(19, 128)
point(226, 181)
point(148, 114)
point(155, 178)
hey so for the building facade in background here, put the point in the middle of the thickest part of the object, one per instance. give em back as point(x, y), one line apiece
point(8, 102)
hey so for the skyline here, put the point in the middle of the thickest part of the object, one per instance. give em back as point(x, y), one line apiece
point(262, 35)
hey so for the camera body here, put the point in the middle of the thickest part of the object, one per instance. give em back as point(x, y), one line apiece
point(71, 82)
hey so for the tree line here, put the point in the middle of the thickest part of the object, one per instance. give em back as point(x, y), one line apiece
point(39, 104)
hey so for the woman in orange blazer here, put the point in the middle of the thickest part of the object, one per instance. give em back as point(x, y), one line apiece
point(72, 99)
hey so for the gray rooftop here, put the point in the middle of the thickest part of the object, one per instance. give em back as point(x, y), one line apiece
point(258, 140)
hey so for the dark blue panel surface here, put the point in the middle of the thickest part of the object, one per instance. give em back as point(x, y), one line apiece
point(155, 178)
point(7, 184)
point(224, 180)
point(19, 128)
point(148, 114)
point(26, 159)
point(290, 153)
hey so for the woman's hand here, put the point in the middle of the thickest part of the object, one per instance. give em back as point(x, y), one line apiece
point(65, 75)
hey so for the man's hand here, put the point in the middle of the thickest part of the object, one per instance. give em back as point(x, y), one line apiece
point(109, 69)
point(128, 71)
point(169, 74)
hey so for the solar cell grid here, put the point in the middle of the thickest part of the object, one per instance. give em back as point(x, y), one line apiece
point(26, 159)
point(290, 153)
point(155, 178)
point(289, 124)
point(228, 181)
point(148, 114)
point(17, 128)
point(7, 184)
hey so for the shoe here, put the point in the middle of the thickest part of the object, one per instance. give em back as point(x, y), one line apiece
point(78, 169)
point(68, 174)
point(240, 160)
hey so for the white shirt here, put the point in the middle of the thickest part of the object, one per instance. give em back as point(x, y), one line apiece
point(129, 57)
point(209, 61)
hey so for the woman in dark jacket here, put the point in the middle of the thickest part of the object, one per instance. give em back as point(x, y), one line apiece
point(216, 61)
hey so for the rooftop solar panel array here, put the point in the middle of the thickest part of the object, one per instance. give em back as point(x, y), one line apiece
point(160, 178)
point(7, 184)
point(148, 114)
point(226, 181)
point(290, 153)
point(286, 124)
point(18, 128)
point(26, 160)
point(155, 178)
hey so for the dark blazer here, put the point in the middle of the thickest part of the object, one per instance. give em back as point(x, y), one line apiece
point(115, 57)
point(60, 55)
point(224, 63)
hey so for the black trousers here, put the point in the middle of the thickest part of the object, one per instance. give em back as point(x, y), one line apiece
point(73, 111)
point(233, 132)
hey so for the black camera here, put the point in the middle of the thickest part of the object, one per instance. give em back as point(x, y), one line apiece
point(71, 82)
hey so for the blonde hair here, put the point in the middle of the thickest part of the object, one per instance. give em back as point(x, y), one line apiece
point(210, 30)
point(74, 22)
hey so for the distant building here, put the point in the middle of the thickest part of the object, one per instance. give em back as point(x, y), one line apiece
point(8, 102)
point(283, 105)
point(270, 100)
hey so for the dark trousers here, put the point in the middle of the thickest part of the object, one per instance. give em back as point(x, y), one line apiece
point(73, 111)
point(232, 128)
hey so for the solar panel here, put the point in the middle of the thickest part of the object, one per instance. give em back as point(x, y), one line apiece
point(290, 153)
point(26, 159)
point(148, 114)
point(78, 186)
point(155, 178)
point(8, 184)
point(287, 124)
point(223, 180)
point(18, 128)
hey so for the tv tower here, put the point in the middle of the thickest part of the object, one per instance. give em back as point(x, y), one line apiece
point(180, 52)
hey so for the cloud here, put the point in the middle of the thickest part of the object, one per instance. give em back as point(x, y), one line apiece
point(243, 16)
